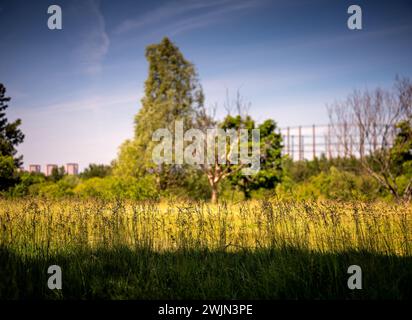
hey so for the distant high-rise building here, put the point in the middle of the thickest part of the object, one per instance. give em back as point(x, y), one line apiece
point(72, 168)
point(49, 169)
point(35, 168)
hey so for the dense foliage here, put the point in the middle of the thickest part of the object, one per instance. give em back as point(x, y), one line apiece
point(173, 93)
point(10, 137)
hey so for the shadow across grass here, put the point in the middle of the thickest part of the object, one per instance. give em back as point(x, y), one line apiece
point(125, 273)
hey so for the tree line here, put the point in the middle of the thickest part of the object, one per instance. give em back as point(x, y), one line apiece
point(381, 118)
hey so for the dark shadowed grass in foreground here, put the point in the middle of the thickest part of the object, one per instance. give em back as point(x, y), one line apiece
point(125, 273)
point(250, 250)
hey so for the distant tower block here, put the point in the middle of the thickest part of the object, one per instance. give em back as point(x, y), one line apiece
point(72, 168)
point(49, 169)
point(35, 168)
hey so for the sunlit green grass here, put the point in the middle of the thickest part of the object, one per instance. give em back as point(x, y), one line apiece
point(249, 250)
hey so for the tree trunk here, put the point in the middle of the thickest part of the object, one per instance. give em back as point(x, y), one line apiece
point(214, 193)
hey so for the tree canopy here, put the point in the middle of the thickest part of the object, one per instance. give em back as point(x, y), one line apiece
point(172, 93)
point(10, 134)
point(10, 137)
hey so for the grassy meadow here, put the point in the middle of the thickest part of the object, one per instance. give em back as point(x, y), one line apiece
point(269, 249)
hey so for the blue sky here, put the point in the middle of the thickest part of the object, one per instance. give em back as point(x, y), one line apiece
point(78, 89)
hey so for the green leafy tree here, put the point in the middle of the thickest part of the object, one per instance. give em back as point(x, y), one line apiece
point(96, 170)
point(29, 182)
point(401, 155)
point(8, 175)
point(228, 172)
point(10, 137)
point(401, 151)
point(303, 170)
point(57, 174)
point(10, 134)
point(270, 155)
point(172, 92)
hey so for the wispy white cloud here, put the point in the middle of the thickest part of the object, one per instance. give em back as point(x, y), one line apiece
point(172, 9)
point(179, 16)
point(95, 42)
point(90, 103)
